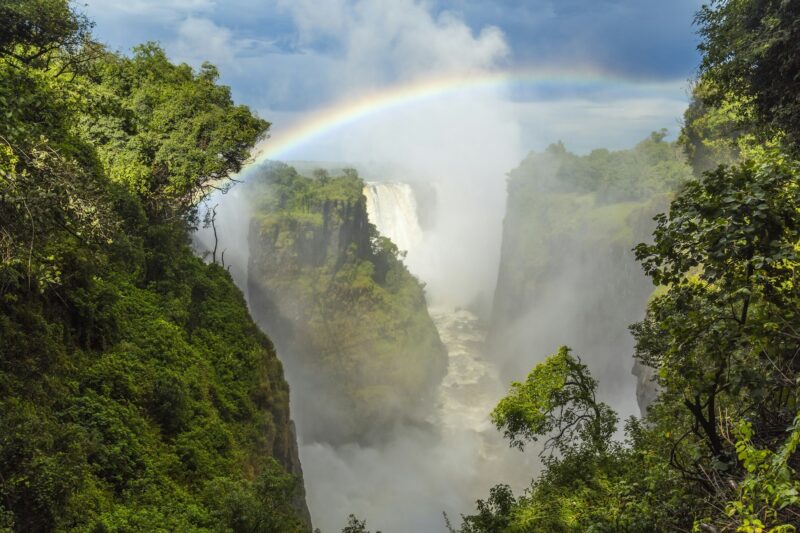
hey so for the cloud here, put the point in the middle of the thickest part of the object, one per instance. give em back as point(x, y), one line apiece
point(136, 17)
point(381, 42)
point(316, 19)
point(199, 40)
point(462, 143)
point(585, 124)
point(170, 10)
point(294, 55)
point(126, 23)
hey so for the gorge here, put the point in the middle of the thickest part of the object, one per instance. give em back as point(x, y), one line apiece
point(318, 269)
point(438, 451)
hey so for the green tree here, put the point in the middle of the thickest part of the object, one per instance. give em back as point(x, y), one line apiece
point(770, 490)
point(33, 31)
point(133, 383)
point(717, 451)
point(354, 525)
point(751, 50)
point(50, 192)
point(168, 133)
point(556, 401)
point(713, 133)
point(494, 514)
point(593, 483)
point(726, 251)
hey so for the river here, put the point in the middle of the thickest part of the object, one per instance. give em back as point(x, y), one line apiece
point(422, 471)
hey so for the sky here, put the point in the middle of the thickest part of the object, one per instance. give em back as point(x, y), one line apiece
point(289, 59)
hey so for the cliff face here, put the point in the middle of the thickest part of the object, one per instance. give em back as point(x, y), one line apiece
point(568, 274)
point(350, 321)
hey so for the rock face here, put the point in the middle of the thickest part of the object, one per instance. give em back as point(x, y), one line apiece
point(568, 275)
point(646, 388)
point(291, 462)
point(350, 322)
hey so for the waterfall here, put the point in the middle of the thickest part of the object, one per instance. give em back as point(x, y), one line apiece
point(445, 464)
point(469, 454)
point(393, 209)
point(471, 387)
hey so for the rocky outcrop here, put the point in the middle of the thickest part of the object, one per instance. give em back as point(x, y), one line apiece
point(349, 320)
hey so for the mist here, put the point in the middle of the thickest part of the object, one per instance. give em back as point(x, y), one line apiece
point(405, 476)
point(461, 147)
point(458, 147)
point(587, 305)
point(455, 150)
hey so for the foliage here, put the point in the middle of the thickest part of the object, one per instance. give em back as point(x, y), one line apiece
point(769, 486)
point(591, 485)
point(166, 132)
point(714, 133)
point(572, 220)
point(494, 514)
point(721, 335)
point(263, 506)
point(563, 203)
point(557, 401)
point(47, 199)
point(717, 451)
point(653, 166)
point(737, 223)
point(751, 51)
point(354, 525)
point(135, 390)
point(36, 30)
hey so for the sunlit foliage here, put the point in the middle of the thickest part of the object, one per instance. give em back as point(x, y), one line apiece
point(136, 394)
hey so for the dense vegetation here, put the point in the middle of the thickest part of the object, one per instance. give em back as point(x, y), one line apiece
point(336, 294)
point(652, 167)
point(717, 451)
point(136, 394)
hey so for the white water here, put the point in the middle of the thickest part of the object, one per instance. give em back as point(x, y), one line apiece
point(471, 387)
point(393, 209)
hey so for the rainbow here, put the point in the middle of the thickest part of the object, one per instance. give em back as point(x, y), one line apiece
point(346, 112)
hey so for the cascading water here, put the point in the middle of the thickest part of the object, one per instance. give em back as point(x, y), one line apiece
point(471, 386)
point(470, 389)
point(393, 209)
